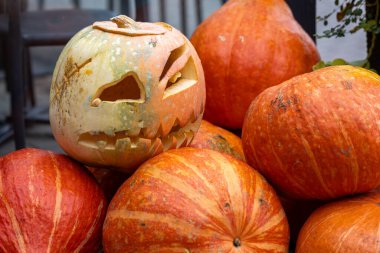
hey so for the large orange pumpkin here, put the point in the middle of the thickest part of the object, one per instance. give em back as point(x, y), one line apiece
point(195, 200)
point(48, 203)
point(317, 136)
point(245, 47)
point(350, 225)
point(216, 138)
point(124, 91)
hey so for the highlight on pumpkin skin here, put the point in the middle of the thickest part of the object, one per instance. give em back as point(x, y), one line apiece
point(142, 92)
point(195, 200)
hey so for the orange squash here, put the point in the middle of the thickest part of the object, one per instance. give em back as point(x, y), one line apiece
point(216, 138)
point(195, 200)
point(124, 91)
point(349, 225)
point(317, 135)
point(247, 46)
point(48, 203)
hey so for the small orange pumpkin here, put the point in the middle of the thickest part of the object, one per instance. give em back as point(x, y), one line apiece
point(216, 138)
point(349, 225)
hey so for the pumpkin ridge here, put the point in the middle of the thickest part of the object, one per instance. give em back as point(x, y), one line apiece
point(58, 201)
point(209, 211)
point(271, 145)
point(90, 232)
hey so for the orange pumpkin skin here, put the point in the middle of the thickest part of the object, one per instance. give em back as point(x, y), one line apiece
point(349, 225)
point(247, 46)
point(49, 203)
point(195, 200)
point(216, 138)
point(316, 136)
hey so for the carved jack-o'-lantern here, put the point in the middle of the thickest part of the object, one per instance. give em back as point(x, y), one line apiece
point(124, 91)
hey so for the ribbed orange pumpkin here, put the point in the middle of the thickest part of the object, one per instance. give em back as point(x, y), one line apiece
point(245, 47)
point(216, 138)
point(350, 225)
point(48, 203)
point(195, 200)
point(317, 136)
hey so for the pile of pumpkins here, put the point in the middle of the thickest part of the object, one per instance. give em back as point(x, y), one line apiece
point(145, 172)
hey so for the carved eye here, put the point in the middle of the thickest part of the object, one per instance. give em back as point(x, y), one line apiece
point(129, 88)
point(180, 70)
point(174, 56)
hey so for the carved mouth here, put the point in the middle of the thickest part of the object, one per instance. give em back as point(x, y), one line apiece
point(122, 140)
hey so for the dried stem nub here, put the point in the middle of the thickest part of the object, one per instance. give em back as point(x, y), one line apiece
point(123, 21)
point(237, 242)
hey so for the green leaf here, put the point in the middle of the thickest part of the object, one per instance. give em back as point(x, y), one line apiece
point(339, 61)
point(319, 65)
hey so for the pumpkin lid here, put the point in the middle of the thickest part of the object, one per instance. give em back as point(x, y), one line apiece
point(126, 26)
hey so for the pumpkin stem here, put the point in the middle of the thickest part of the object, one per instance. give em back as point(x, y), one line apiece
point(237, 242)
point(123, 21)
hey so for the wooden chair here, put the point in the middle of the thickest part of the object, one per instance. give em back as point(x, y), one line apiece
point(22, 30)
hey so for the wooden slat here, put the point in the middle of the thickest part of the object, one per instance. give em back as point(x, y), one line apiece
point(183, 17)
point(305, 13)
point(142, 12)
point(163, 11)
point(16, 83)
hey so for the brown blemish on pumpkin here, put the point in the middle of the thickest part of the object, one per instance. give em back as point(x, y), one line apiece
point(219, 143)
point(227, 205)
point(346, 152)
point(347, 84)
point(153, 42)
point(71, 68)
point(281, 103)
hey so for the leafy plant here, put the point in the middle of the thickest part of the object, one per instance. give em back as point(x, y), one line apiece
point(351, 18)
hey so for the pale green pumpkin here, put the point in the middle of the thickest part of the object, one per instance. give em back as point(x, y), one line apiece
point(124, 91)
